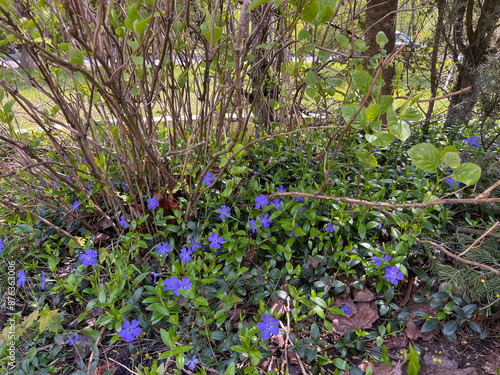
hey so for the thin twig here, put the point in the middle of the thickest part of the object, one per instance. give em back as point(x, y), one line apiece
point(125, 367)
point(298, 357)
point(463, 91)
point(483, 266)
point(479, 239)
point(473, 231)
point(361, 202)
point(92, 353)
point(21, 208)
point(487, 192)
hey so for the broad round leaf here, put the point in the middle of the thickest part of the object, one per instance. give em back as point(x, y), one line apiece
point(372, 112)
point(448, 149)
point(425, 156)
point(304, 35)
point(310, 11)
point(400, 129)
point(366, 158)
point(467, 173)
point(362, 79)
point(413, 115)
point(381, 39)
point(380, 139)
point(452, 159)
point(342, 39)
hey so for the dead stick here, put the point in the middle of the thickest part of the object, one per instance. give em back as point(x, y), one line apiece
point(473, 231)
point(125, 367)
point(479, 239)
point(440, 97)
point(487, 192)
point(298, 357)
point(496, 272)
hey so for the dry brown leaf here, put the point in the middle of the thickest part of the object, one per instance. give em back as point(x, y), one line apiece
point(315, 263)
point(364, 295)
point(379, 368)
point(361, 317)
point(103, 223)
point(279, 341)
point(397, 342)
point(101, 239)
point(278, 305)
point(413, 331)
point(292, 358)
point(105, 366)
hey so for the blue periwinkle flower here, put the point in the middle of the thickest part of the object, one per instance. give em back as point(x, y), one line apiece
point(130, 330)
point(153, 203)
point(392, 274)
point(268, 326)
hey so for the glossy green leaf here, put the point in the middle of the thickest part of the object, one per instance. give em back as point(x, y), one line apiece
point(381, 39)
point(467, 173)
point(372, 112)
point(342, 39)
point(400, 130)
point(452, 159)
point(425, 156)
point(380, 139)
point(255, 3)
point(310, 11)
point(362, 79)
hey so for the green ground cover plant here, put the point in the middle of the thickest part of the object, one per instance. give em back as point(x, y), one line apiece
point(281, 216)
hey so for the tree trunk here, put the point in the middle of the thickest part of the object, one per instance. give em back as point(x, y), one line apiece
point(381, 16)
point(461, 106)
point(474, 44)
point(434, 69)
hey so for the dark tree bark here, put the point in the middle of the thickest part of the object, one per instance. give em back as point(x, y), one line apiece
point(26, 61)
point(441, 4)
point(474, 44)
point(381, 16)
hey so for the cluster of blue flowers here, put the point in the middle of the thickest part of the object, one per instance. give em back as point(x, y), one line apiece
point(261, 201)
point(22, 278)
point(347, 310)
point(75, 205)
point(377, 260)
point(123, 222)
point(450, 181)
point(392, 274)
point(472, 141)
point(329, 227)
point(73, 339)
point(163, 249)
point(176, 284)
